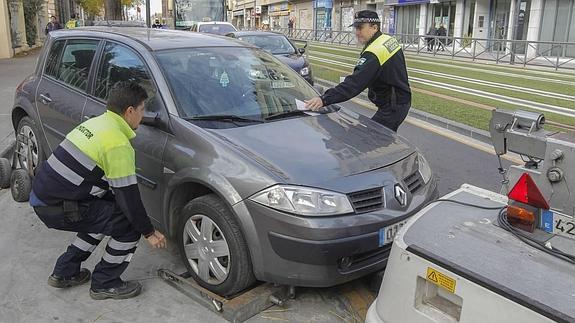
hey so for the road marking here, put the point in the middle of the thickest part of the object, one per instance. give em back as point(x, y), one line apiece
point(440, 279)
point(473, 143)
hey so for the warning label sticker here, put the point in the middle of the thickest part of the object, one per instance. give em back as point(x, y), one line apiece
point(441, 279)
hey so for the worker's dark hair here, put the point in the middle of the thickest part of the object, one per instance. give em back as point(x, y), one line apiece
point(376, 24)
point(125, 94)
point(73, 16)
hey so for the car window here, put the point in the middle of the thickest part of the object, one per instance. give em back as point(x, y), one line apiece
point(74, 66)
point(219, 29)
point(120, 63)
point(245, 82)
point(275, 44)
point(53, 58)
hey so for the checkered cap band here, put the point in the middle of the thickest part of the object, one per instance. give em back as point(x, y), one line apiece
point(365, 20)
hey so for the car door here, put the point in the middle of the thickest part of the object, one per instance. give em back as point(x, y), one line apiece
point(61, 93)
point(121, 63)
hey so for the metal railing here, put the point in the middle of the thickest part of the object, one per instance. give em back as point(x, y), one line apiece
point(517, 52)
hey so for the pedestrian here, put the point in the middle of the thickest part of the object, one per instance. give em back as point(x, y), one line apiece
point(380, 68)
point(89, 186)
point(432, 33)
point(53, 24)
point(291, 23)
point(72, 23)
point(441, 33)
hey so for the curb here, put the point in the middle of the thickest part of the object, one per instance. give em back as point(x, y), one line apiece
point(460, 128)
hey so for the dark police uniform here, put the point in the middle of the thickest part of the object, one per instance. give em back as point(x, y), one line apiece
point(381, 68)
point(89, 186)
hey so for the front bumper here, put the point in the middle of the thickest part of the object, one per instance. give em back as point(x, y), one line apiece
point(323, 251)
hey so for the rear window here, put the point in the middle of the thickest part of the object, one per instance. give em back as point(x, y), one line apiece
point(71, 64)
point(219, 29)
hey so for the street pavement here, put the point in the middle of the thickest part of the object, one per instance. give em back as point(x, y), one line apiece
point(28, 249)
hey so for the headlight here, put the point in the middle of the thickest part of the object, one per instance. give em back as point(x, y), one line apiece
point(304, 71)
point(424, 169)
point(304, 201)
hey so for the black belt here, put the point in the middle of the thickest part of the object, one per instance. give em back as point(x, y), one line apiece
point(68, 209)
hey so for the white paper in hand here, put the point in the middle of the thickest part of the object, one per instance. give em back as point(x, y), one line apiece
point(300, 105)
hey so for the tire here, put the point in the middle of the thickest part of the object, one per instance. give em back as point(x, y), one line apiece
point(28, 127)
point(20, 185)
point(225, 230)
point(5, 170)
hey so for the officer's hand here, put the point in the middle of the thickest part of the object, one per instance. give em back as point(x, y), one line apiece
point(314, 104)
point(157, 240)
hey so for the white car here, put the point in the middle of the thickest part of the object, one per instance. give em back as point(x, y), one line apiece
point(213, 27)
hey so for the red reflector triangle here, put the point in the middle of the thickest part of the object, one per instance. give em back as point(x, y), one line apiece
point(526, 191)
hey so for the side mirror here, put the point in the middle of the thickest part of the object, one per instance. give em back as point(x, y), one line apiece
point(151, 119)
point(301, 50)
point(320, 89)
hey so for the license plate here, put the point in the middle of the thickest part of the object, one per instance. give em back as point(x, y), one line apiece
point(559, 224)
point(387, 234)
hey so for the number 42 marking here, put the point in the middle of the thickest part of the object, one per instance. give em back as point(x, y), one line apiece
point(563, 227)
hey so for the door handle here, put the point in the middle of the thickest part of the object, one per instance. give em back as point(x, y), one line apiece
point(45, 98)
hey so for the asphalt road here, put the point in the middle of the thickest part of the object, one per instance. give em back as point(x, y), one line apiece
point(28, 249)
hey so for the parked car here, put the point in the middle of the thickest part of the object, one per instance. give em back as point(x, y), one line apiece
point(246, 184)
point(281, 47)
point(213, 27)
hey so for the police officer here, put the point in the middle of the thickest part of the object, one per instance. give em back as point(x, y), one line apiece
point(88, 185)
point(381, 68)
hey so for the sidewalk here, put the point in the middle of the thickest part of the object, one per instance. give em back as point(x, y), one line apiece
point(12, 72)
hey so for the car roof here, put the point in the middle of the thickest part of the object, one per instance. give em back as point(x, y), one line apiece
point(153, 39)
point(213, 23)
point(255, 33)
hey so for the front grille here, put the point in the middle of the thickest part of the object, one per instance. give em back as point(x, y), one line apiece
point(414, 182)
point(364, 259)
point(368, 200)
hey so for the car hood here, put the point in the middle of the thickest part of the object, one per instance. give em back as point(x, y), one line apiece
point(294, 61)
point(312, 150)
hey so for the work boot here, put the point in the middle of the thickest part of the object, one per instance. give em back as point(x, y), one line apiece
point(125, 290)
point(64, 282)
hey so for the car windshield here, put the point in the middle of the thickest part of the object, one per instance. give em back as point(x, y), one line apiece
point(243, 82)
point(218, 29)
point(275, 44)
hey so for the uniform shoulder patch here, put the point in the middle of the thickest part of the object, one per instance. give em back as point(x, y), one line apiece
point(391, 44)
point(361, 61)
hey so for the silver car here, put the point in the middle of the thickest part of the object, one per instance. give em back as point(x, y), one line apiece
point(249, 186)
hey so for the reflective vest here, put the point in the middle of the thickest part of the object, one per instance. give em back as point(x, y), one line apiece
point(72, 23)
point(384, 47)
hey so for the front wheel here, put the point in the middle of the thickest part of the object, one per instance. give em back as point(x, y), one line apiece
point(213, 247)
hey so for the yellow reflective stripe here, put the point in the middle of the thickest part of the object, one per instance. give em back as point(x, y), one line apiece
point(384, 47)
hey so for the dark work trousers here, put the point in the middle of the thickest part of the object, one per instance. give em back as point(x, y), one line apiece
point(93, 220)
point(393, 115)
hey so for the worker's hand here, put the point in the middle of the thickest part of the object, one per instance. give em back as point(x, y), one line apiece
point(314, 104)
point(157, 240)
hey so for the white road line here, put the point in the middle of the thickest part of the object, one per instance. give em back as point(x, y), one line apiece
point(433, 60)
point(501, 98)
point(465, 90)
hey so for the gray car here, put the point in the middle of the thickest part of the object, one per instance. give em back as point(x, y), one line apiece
point(247, 185)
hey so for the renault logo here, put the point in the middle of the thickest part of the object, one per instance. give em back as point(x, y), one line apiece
point(400, 195)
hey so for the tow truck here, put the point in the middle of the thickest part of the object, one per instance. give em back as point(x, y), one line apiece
point(481, 256)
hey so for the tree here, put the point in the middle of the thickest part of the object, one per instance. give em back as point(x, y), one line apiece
point(91, 7)
point(113, 8)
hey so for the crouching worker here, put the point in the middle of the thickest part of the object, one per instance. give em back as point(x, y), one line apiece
point(89, 186)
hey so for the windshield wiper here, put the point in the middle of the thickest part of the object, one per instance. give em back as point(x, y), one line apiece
point(223, 117)
point(287, 114)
